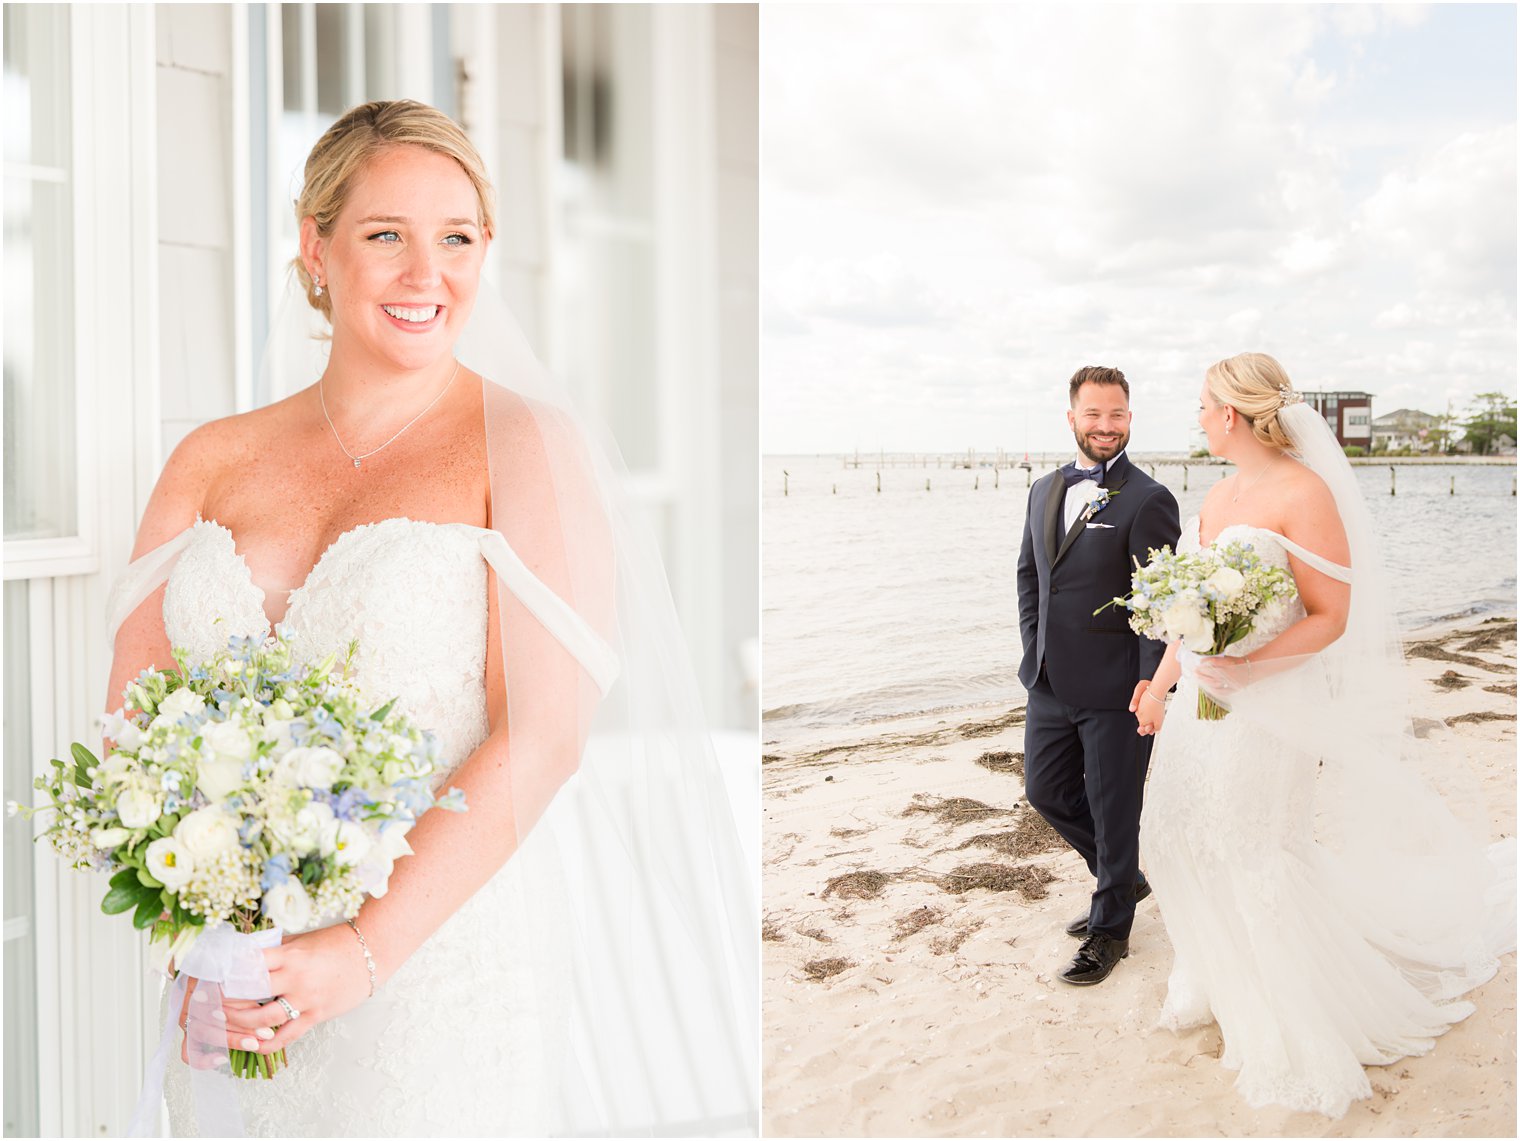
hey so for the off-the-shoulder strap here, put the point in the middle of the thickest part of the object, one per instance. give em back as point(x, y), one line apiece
point(1318, 562)
point(141, 578)
point(556, 615)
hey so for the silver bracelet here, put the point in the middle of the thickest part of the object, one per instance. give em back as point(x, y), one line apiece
point(369, 960)
point(1153, 697)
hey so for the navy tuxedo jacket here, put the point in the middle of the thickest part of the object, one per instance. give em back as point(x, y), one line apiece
point(1091, 661)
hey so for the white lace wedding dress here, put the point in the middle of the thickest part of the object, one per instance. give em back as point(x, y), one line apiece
point(1263, 919)
point(465, 1038)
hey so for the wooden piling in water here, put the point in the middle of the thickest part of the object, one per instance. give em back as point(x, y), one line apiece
point(878, 483)
point(1184, 477)
point(926, 485)
point(784, 477)
point(1393, 480)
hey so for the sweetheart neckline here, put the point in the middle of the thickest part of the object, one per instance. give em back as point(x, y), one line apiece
point(263, 595)
point(1197, 521)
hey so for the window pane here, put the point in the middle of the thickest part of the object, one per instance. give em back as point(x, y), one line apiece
point(607, 209)
point(41, 486)
point(332, 60)
point(290, 56)
point(20, 935)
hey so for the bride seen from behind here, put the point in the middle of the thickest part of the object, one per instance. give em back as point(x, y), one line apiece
point(1325, 907)
point(463, 534)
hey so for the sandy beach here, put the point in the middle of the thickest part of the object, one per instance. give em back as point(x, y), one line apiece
point(913, 924)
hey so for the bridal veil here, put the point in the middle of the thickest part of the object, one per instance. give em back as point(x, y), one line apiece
point(1432, 893)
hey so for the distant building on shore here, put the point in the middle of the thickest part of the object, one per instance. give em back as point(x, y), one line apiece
point(1406, 428)
point(1349, 415)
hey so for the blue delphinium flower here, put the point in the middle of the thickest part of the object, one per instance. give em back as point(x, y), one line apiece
point(276, 872)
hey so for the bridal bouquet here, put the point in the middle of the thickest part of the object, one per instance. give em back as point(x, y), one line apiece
point(248, 790)
point(1209, 599)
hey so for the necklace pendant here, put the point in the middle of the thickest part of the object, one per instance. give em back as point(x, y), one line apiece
point(356, 463)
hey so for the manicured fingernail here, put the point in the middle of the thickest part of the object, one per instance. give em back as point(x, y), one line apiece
point(198, 996)
point(221, 1060)
point(265, 1033)
point(218, 1015)
point(249, 1043)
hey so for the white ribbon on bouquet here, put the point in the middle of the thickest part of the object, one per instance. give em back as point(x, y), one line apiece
point(225, 964)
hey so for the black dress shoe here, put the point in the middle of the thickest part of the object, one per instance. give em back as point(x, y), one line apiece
point(1077, 928)
point(1095, 960)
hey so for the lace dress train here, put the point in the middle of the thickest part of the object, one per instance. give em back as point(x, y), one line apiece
point(1270, 936)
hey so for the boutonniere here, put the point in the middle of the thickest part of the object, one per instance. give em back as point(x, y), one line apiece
point(1102, 500)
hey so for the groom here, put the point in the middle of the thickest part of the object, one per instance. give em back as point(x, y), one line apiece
point(1084, 764)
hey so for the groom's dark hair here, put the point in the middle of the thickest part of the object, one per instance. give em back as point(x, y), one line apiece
point(1097, 374)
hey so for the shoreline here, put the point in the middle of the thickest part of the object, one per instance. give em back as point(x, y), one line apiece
point(913, 925)
point(777, 738)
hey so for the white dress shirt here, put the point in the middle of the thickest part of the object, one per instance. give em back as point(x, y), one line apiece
point(1080, 495)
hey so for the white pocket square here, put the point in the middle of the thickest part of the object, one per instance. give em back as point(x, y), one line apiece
point(1105, 526)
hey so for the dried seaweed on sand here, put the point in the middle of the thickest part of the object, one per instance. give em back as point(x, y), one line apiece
point(1003, 762)
point(820, 969)
point(916, 920)
point(1026, 879)
point(952, 811)
point(858, 885)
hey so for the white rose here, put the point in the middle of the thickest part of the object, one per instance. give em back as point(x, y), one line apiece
point(170, 863)
point(318, 767)
point(289, 906)
point(228, 739)
point(304, 831)
point(208, 832)
point(117, 767)
point(130, 736)
point(1184, 619)
point(393, 839)
point(181, 702)
point(349, 842)
point(1140, 602)
point(308, 767)
point(374, 870)
point(218, 776)
point(110, 837)
point(1227, 581)
point(138, 807)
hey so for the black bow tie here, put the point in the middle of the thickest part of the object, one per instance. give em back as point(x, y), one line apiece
point(1074, 475)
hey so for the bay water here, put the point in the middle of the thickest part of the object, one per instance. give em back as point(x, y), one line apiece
point(903, 602)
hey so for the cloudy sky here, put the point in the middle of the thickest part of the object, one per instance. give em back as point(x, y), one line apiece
point(961, 204)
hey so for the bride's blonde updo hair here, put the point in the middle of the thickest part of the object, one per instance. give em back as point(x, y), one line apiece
point(1256, 386)
point(361, 134)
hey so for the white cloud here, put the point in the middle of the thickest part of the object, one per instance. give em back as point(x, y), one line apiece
point(962, 204)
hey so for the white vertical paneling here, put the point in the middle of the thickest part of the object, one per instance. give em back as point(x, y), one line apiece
point(414, 62)
point(241, 203)
point(738, 116)
point(686, 278)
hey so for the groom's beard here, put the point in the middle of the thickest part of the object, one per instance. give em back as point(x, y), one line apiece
point(1097, 454)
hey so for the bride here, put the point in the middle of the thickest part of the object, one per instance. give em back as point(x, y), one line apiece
point(573, 953)
point(1325, 907)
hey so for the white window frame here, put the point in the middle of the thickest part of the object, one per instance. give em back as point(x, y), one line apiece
point(93, 1001)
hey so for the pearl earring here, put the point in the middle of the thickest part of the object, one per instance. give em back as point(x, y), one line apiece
point(317, 282)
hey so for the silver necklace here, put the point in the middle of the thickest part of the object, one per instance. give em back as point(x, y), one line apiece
point(1255, 479)
point(358, 459)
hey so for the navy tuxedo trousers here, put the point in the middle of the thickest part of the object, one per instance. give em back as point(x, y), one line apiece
point(1084, 771)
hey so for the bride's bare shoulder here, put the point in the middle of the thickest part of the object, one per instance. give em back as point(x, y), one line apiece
point(200, 459)
point(1303, 485)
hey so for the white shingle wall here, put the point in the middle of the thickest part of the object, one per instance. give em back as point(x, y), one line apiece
point(738, 36)
point(194, 46)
